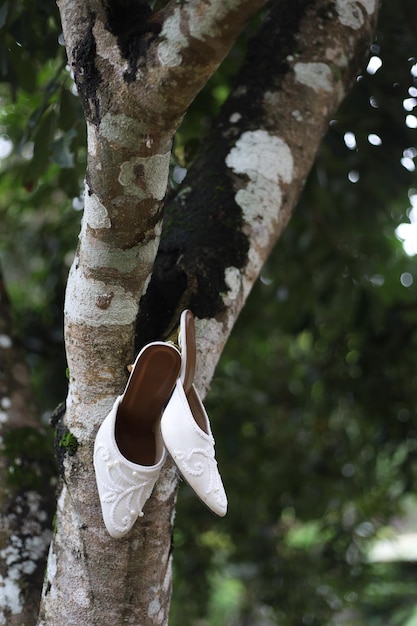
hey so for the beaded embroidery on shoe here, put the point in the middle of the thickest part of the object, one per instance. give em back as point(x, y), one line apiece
point(192, 449)
point(123, 489)
point(123, 486)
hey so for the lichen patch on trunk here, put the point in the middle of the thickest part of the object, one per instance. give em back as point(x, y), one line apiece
point(143, 177)
point(268, 163)
point(98, 216)
point(350, 12)
point(84, 293)
point(173, 41)
point(121, 130)
point(317, 76)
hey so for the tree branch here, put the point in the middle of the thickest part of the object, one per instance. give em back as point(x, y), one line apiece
point(217, 235)
point(111, 49)
point(155, 62)
point(241, 190)
point(194, 40)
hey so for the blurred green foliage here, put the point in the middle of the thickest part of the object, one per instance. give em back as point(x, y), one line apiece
point(42, 145)
point(314, 401)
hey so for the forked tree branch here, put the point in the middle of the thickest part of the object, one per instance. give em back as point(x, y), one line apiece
point(219, 230)
point(158, 61)
point(195, 38)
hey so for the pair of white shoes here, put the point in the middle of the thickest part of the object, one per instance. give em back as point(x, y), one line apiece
point(159, 411)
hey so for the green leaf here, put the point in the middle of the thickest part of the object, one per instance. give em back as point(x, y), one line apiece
point(41, 150)
point(61, 150)
point(69, 110)
point(24, 67)
point(70, 182)
point(43, 137)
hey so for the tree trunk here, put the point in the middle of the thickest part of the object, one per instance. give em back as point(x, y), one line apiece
point(27, 482)
point(219, 230)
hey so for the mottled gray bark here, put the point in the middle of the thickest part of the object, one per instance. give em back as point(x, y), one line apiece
point(135, 85)
point(134, 89)
point(27, 483)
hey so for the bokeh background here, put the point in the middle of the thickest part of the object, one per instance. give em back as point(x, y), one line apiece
point(314, 402)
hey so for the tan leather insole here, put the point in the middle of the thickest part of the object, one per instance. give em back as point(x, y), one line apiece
point(189, 355)
point(197, 409)
point(188, 349)
point(148, 390)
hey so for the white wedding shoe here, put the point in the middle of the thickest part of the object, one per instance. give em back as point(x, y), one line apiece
point(128, 451)
point(186, 430)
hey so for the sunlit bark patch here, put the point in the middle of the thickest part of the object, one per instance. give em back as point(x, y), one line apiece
point(350, 12)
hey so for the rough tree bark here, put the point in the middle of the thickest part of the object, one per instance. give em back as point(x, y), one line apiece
point(27, 482)
point(137, 72)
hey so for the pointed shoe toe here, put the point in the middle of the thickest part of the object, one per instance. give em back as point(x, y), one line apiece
point(187, 436)
point(128, 451)
point(123, 486)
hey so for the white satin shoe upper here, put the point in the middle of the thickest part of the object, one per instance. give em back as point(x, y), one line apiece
point(123, 486)
point(187, 436)
point(183, 430)
point(186, 430)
